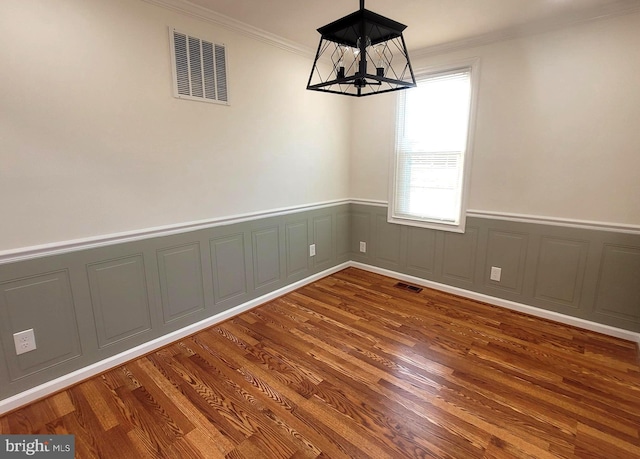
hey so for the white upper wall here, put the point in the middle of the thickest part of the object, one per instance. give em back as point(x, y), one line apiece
point(557, 131)
point(92, 141)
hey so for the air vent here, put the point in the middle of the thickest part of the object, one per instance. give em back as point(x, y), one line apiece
point(411, 288)
point(199, 68)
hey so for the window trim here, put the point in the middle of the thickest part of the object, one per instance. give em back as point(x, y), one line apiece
point(392, 217)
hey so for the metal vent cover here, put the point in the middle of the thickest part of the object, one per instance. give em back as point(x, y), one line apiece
point(199, 68)
point(409, 287)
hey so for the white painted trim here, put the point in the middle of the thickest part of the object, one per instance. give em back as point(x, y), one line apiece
point(531, 310)
point(50, 387)
point(62, 247)
point(200, 12)
point(369, 202)
point(544, 220)
point(537, 219)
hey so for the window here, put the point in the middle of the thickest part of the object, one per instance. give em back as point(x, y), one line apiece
point(433, 141)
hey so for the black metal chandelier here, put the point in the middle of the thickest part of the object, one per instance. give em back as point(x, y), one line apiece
point(361, 54)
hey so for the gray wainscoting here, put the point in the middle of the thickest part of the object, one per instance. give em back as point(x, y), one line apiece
point(588, 274)
point(91, 304)
point(88, 305)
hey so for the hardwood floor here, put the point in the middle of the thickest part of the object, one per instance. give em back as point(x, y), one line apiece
point(351, 366)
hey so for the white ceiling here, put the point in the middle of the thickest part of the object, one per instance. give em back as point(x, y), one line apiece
point(430, 22)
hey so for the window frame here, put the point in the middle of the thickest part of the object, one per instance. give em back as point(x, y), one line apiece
point(473, 65)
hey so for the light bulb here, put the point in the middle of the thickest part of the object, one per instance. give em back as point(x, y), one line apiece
point(340, 73)
point(379, 55)
point(356, 51)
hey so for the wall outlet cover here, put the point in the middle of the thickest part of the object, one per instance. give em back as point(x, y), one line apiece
point(25, 341)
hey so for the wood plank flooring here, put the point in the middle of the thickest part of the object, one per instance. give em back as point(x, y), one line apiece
point(351, 366)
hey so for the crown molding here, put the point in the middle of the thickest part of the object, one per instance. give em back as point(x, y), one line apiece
point(191, 9)
point(611, 10)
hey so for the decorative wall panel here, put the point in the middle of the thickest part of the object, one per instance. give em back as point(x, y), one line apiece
point(323, 238)
point(387, 244)
point(360, 232)
point(266, 256)
point(421, 251)
point(43, 303)
point(619, 284)
point(297, 247)
point(181, 287)
point(119, 298)
point(459, 260)
point(508, 251)
point(4, 369)
point(560, 271)
point(343, 232)
point(228, 265)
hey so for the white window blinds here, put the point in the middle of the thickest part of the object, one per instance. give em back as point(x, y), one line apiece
point(431, 132)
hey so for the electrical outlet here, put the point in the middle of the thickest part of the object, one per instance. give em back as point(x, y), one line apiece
point(496, 273)
point(25, 341)
point(312, 250)
point(363, 247)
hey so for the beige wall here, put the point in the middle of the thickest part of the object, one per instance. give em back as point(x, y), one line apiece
point(558, 126)
point(92, 141)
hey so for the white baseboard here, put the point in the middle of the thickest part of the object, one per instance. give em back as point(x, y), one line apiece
point(55, 385)
point(531, 310)
point(50, 387)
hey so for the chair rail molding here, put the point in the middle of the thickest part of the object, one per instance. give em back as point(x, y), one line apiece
point(61, 247)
